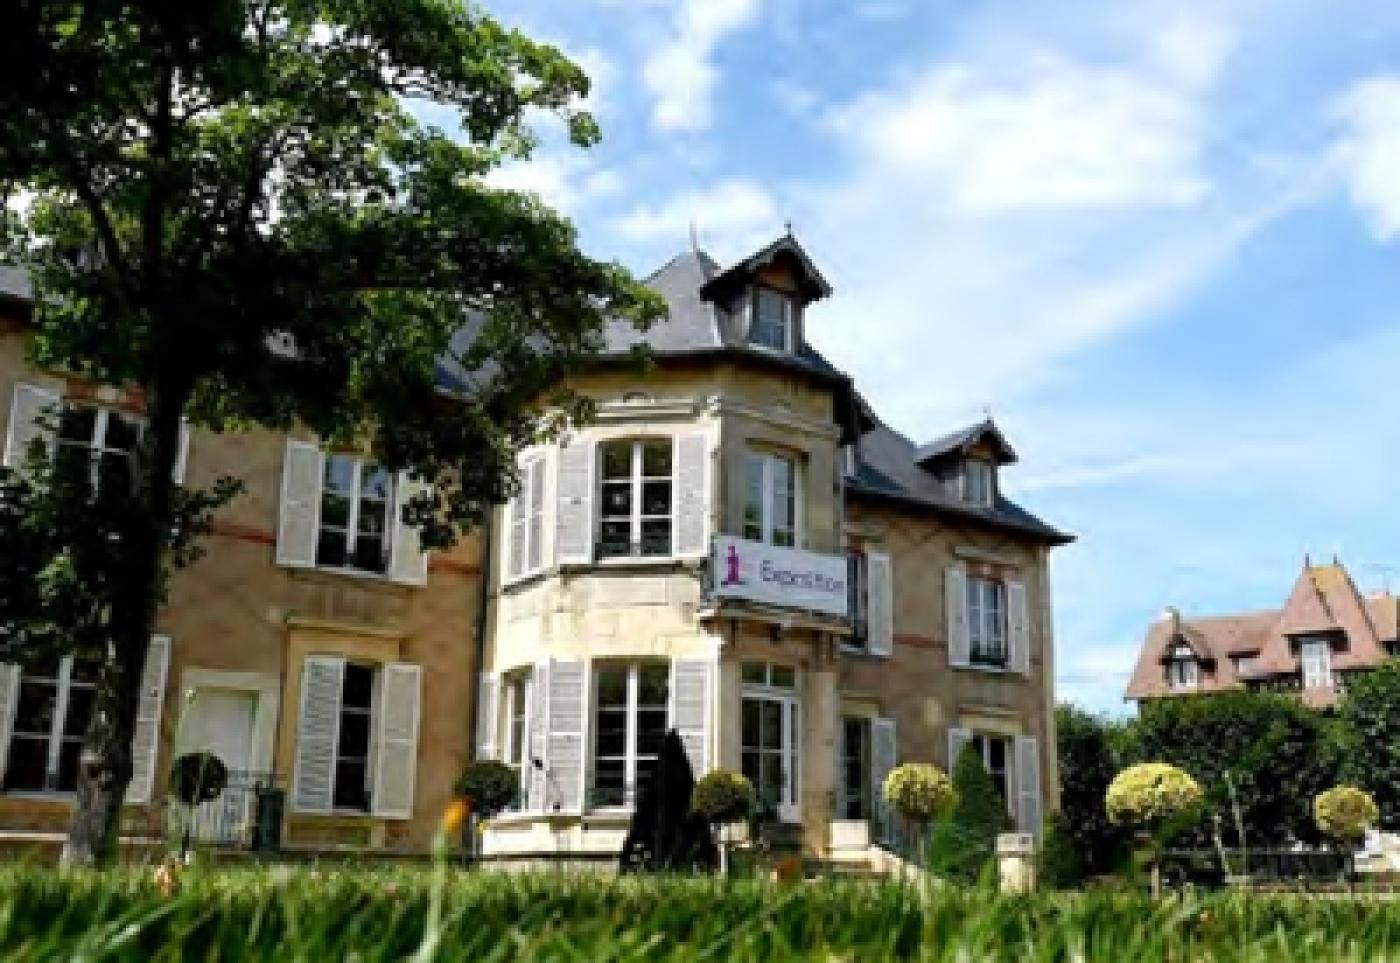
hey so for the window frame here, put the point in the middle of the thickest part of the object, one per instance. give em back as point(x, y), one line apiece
point(636, 480)
point(371, 714)
point(788, 325)
point(1183, 668)
point(982, 741)
point(988, 622)
point(766, 460)
point(351, 529)
point(95, 446)
point(631, 758)
point(983, 492)
point(1321, 670)
point(526, 511)
point(64, 684)
point(787, 696)
point(858, 592)
point(515, 743)
point(862, 763)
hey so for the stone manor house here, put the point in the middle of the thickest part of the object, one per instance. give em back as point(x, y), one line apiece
point(737, 547)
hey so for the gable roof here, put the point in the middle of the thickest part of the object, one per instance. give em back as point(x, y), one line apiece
point(961, 441)
point(738, 274)
point(1324, 600)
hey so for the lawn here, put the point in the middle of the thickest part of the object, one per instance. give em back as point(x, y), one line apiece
point(377, 914)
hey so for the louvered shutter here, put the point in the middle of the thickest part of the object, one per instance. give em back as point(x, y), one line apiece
point(955, 601)
point(538, 744)
point(1018, 627)
point(396, 742)
point(957, 741)
point(879, 606)
point(564, 744)
point(487, 689)
point(535, 556)
point(9, 695)
point(318, 733)
point(301, 505)
point(690, 709)
point(573, 518)
point(182, 453)
point(30, 406)
point(145, 737)
point(409, 562)
point(690, 491)
point(884, 756)
point(1027, 776)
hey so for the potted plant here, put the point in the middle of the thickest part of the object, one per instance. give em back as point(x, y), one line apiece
point(722, 798)
point(487, 786)
point(1158, 800)
point(1344, 814)
point(196, 778)
point(919, 792)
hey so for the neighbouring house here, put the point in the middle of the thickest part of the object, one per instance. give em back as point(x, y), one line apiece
point(736, 547)
point(1325, 632)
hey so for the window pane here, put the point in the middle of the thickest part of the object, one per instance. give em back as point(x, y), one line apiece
point(34, 712)
point(617, 459)
point(77, 424)
point(615, 539)
point(374, 517)
point(69, 755)
point(28, 762)
point(122, 432)
point(771, 719)
point(770, 318)
point(357, 691)
point(656, 537)
point(80, 704)
point(376, 483)
point(370, 555)
point(656, 498)
point(612, 687)
point(771, 776)
point(330, 548)
point(609, 778)
point(748, 764)
point(354, 734)
point(113, 473)
point(612, 733)
point(784, 677)
point(350, 789)
point(750, 723)
point(754, 673)
point(651, 730)
point(340, 474)
point(335, 511)
point(617, 499)
point(656, 459)
point(653, 685)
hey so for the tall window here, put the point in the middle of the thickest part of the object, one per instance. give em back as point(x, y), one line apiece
point(1316, 656)
point(527, 520)
point(772, 319)
point(769, 737)
point(51, 715)
point(986, 619)
point(858, 597)
point(1183, 670)
point(102, 437)
point(770, 502)
point(996, 754)
point(978, 482)
point(855, 768)
point(517, 734)
point(636, 498)
point(353, 773)
point(357, 499)
point(630, 711)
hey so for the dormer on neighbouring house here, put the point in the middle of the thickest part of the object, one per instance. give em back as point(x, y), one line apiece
point(760, 301)
point(967, 461)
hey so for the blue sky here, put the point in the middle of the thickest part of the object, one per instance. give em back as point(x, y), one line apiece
point(1160, 240)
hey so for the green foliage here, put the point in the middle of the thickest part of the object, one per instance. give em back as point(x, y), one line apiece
point(1088, 764)
point(1059, 864)
point(1277, 753)
point(1370, 723)
point(197, 777)
point(378, 914)
point(963, 845)
point(667, 835)
point(1345, 813)
point(722, 796)
point(918, 791)
point(1154, 796)
point(491, 785)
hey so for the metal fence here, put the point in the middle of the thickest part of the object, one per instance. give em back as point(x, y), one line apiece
point(1294, 866)
point(234, 818)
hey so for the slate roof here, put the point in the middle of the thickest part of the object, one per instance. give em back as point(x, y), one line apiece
point(958, 442)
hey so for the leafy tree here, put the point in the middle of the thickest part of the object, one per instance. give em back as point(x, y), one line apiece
point(1267, 753)
point(667, 834)
point(1370, 719)
point(1087, 765)
point(964, 841)
point(231, 209)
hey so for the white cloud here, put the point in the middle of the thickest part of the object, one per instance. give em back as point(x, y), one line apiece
point(565, 179)
point(681, 74)
point(1370, 151)
point(735, 213)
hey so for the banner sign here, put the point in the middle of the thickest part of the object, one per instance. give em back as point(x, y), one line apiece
point(785, 577)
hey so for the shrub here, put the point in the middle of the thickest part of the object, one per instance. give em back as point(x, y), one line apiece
point(666, 834)
point(1152, 795)
point(197, 777)
point(1085, 744)
point(965, 838)
point(1345, 813)
point(489, 784)
point(918, 791)
point(1370, 717)
point(1060, 865)
point(723, 797)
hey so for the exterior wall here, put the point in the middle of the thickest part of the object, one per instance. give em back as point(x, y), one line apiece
point(238, 620)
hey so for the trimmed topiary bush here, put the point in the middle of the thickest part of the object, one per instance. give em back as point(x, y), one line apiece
point(198, 777)
point(964, 840)
point(723, 797)
point(919, 791)
point(1152, 795)
point(490, 785)
point(1345, 813)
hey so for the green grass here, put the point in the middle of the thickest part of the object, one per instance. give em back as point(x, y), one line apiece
point(384, 914)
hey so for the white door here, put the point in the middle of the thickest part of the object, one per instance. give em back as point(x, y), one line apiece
point(770, 751)
point(220, 721)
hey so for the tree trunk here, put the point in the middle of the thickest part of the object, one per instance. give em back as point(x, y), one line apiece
point(105, 761)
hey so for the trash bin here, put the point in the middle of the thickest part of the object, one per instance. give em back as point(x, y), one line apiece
point(267, 819)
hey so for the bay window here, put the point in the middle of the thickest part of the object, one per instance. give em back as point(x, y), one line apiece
point(630, 708)
point(357, 499)
point(637, 499)
point(770, 499)
point(986, 616)
point(53, 706)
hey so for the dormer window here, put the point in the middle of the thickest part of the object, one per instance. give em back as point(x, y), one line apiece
point(978, 482)
point(1316, 658)
point(772, 319)
point(1183, 669)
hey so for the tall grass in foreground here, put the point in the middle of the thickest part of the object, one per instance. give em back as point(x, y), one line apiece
point(368, 914)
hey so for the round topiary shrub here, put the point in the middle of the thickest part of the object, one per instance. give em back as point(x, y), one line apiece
point(919, 791)
point(197, 777)
point(723, 797)
point(1345, 813)
point(490, 785)
point(1151, 794)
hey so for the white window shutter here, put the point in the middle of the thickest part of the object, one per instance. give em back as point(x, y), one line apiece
point(690, 491)
point(690, 709)
point(879, 607)
point(1027, 776)
point(564, 742)
point(145, 737)
point(1018, 627)
point(487, 688)
point(536, 781)
point(318, 733)
point(515, 534)
point(396, 739)
point(573, 515)
point(30, 405)
point(884, 756)
point(535, 559)
point(300, 519)
point(957, 741)
point(182, 453)
point(408, 562)
point(9, 696)
point(955, 601)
